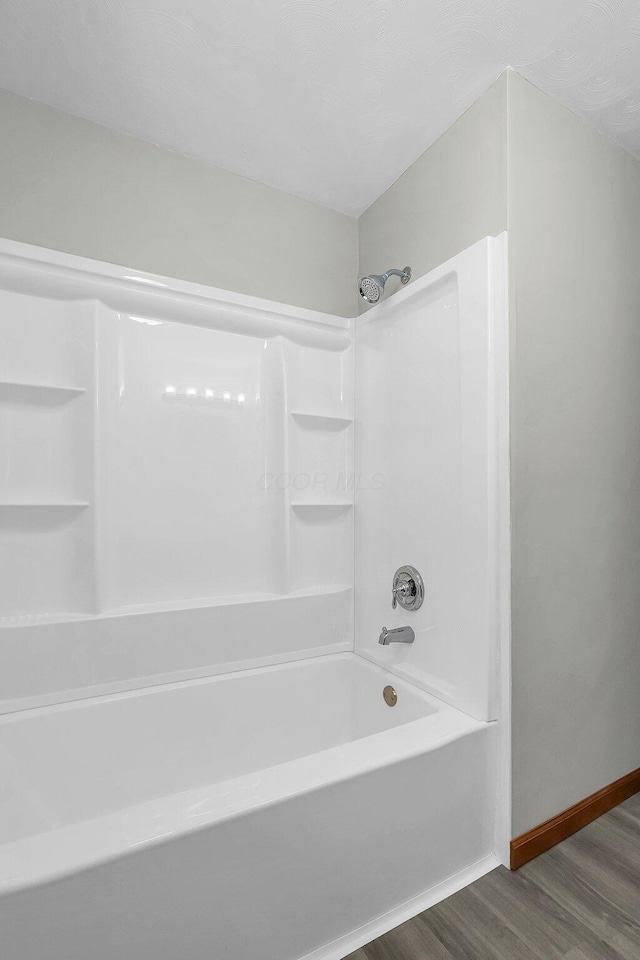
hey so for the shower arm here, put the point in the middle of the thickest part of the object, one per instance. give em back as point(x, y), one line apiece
point(396, 273)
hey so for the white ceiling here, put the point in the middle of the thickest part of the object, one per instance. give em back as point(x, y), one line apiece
point(327, 99)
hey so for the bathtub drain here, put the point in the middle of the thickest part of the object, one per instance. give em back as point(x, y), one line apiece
point(390, 696)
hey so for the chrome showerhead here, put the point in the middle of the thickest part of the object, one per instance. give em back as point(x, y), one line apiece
point(372, 287)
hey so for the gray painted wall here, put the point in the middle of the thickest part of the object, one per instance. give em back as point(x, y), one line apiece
point(570, 199)
point(453, 195)
point(73, 186)
point(574, 228)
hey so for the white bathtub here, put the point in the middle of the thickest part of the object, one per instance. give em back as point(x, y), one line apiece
point(272, 814)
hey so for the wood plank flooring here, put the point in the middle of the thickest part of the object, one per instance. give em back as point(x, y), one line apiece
point(578, 901)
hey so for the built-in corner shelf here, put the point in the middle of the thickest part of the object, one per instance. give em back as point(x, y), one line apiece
point(321, 421)
point(28, 504)
point(312, 505)
point(30, 392)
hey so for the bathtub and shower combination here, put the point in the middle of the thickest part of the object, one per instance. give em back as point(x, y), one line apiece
point(207, 749)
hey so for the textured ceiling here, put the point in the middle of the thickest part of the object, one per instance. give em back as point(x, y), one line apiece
point(327, 99)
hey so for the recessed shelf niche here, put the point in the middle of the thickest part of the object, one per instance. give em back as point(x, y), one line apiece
point(320, 467)
point(47, 538)
point(321, 545)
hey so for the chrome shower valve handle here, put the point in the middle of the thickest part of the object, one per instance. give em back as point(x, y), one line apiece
point(407, 588)
point(400, 590)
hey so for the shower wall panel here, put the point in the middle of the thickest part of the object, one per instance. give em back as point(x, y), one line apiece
point(431, 461)
point(191, 421)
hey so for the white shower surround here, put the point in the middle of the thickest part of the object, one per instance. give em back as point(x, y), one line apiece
point(180, 827)
point(113, 461)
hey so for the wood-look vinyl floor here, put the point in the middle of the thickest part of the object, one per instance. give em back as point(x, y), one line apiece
point(578, 901)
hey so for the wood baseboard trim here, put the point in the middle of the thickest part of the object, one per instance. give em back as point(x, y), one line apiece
point(531, 844)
